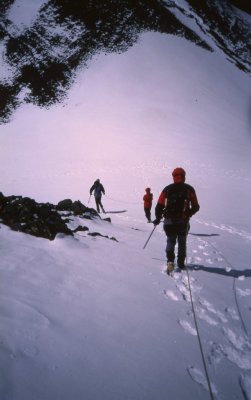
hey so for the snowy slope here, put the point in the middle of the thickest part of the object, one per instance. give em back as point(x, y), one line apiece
point(93, 318)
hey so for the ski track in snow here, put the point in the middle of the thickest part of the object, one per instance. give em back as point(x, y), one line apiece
point(235, 345)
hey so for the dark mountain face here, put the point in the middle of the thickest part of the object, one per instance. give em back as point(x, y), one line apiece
point(41, 60)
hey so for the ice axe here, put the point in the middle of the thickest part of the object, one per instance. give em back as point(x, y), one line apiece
point(149, 236)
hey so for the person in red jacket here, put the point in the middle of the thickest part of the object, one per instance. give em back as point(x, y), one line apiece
point(177, 203)
point(148, 199)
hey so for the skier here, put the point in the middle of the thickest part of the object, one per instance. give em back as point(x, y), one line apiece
point(98, 189)
point(177, 203)
point(148, 198)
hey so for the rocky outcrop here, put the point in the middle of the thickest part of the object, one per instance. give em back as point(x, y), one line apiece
point(41, 219)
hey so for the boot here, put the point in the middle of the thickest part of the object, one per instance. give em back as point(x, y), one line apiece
point(170, 267)
point(181, 263)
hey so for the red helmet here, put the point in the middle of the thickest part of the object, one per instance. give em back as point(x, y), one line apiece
point(179, 175)
point(179, 171)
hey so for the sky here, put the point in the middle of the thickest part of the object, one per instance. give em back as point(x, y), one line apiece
point(92, 318)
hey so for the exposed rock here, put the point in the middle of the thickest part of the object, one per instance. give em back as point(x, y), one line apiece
point(108, 219)
point(39, 219)
point(81, 228)
point(95, 234)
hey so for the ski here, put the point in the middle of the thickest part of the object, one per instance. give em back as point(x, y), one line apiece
point(115, 212)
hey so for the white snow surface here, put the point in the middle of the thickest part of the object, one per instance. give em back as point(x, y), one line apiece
point(93, 318)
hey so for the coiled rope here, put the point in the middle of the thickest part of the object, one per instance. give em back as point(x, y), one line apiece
point(199, 340)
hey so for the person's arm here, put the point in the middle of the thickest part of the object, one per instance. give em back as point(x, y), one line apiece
point(160, 207)
point(91, 189)
point(194, 205)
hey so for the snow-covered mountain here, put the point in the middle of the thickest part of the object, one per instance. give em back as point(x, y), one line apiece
point(94, 318)
point(44, 43)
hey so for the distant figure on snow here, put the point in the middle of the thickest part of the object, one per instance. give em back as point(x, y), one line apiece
point(98, 189)
point(148, 198)
point(177, 203)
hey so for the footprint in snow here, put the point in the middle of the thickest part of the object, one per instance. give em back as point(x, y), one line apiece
point(244, 292)
point(181, 282)
point(187, 326)
point(182, 288)
point(198, 377)
point(238, 349)
point(245, 384)
point(241, 342)
point(216, 353)
point(202, 315)
point(212, 310)
point(232, 313)
point(171, 295)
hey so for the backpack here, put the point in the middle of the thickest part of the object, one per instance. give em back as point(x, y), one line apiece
point(176, 202)
point(98, 190)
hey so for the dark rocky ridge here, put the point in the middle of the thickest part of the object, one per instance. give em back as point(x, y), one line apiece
point(42, 59)
point(44, 220)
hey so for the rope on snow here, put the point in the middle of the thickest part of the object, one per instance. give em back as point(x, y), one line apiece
point(199, 340)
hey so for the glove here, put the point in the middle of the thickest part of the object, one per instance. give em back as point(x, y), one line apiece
point(156, 222)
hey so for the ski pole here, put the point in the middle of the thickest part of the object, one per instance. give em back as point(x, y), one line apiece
point(89, 198)
point(149, 236)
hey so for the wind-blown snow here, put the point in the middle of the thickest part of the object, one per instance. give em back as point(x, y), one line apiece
point(91, 318)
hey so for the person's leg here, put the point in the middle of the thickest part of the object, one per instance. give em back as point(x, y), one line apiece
point(97, 204)
point(182, 239)
point(170, 248)
point(171, 234)
point(147, 214)
point(101, 205)
point(182, 245)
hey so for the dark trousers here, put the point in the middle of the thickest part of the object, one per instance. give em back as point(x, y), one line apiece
point(148, 213)
point(176, 233)
point(99, 204)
